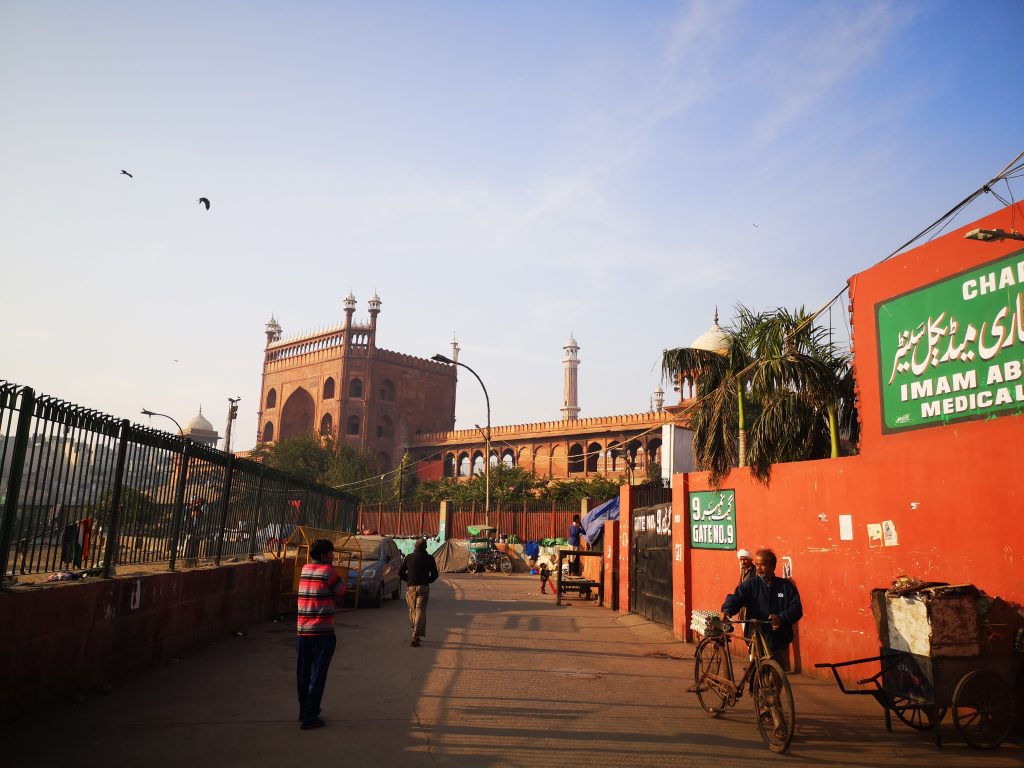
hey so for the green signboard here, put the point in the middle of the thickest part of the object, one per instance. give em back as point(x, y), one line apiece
point(953, 350)
point(713, 519)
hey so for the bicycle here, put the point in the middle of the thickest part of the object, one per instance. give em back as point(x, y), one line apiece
point(716, 686)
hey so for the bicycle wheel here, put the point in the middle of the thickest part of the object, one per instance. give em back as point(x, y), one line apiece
point(709, 659)
point(773, 705)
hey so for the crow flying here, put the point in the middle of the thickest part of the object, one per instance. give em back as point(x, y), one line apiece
point(127, 174)
point(205, 201)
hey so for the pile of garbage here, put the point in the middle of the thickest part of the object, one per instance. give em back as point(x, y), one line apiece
point(939, 619)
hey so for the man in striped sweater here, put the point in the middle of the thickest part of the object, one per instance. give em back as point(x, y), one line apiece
point(319, 587)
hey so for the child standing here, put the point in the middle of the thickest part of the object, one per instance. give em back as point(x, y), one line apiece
point(545, 575)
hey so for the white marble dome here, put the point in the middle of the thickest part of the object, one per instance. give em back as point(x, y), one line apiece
point(200, 423)
point(713, 339)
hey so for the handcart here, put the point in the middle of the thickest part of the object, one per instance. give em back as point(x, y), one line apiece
point(937, 656)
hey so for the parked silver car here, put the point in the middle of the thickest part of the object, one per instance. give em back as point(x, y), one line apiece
point(382, 561)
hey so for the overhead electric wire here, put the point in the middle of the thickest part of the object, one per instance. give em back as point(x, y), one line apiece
point(1014, 169)
point(1010, 170)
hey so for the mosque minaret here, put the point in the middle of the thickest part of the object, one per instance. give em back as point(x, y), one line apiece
point(571, 362)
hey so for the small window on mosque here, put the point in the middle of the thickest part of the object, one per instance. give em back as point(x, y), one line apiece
point(272, 398)
point(355, 388)
point(353, 425)
point(329, 389)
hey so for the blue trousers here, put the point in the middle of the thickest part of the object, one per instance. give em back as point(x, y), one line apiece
point(315, 655)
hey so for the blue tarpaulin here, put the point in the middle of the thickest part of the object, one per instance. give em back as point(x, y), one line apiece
point(593, 521)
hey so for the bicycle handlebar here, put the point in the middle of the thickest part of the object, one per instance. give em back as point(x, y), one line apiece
point(747, 621)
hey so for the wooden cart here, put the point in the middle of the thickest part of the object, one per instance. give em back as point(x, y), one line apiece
point(933, 660)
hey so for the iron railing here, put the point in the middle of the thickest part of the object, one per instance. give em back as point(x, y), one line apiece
point(529, 520)
point(81, 489)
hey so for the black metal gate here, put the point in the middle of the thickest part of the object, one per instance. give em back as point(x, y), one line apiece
point(650, 577)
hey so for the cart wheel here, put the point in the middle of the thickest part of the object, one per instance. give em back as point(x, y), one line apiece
point(709, 659)
point(773, 705)
point(506, 565)
point(983, 708)
point(917, 716)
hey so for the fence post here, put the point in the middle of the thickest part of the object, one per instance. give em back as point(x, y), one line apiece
point(115, 501)
point(25, 412)
point(179, 502)
point(399, 531)
point(552, 518)
point(421, 531)
point(359, 517)
point(226, 496)
point(256, 516)
point(380, 514)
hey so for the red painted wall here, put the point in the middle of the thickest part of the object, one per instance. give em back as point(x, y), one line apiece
point(78, 637)
point(428, 470)
point(626, 493)
point(611, 564)
point(954, 492)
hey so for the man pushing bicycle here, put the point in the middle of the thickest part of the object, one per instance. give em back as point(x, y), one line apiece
point(768, 598)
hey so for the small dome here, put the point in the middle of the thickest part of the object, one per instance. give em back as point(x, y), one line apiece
point(375, 299)
point(713, 339)
point(200, 423)
point(350, 301)
point(571, 343)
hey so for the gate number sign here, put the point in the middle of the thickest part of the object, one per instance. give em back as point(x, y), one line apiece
point(713, 519)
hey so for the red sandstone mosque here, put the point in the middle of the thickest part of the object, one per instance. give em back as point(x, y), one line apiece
point(337, 382)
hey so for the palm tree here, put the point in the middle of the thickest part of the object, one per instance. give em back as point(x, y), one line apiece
point(796, 383)
point(779, 369)
point(716, 369)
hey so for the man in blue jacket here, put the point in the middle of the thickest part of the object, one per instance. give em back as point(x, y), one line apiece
point(768, 598)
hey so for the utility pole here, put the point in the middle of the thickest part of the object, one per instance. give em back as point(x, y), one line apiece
point(232, 415)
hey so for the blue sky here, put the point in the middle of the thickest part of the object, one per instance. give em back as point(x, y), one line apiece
point(511, 172)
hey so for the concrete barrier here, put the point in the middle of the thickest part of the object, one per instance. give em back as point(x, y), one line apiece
point(67, 640)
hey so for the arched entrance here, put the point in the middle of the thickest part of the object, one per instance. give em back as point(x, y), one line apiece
point(297, 414)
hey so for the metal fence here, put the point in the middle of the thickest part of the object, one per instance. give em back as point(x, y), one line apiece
point(81, 489)
point(528, 521)
point(651, 494)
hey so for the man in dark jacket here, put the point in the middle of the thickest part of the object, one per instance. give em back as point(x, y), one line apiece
point(768, 598)
point(419, 571)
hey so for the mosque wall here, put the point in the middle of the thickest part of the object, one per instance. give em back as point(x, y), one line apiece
point(338, 382)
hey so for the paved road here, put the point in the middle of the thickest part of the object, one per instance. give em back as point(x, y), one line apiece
point(505, 678)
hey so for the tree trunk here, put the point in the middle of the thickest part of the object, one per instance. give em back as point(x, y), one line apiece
point(833, 432)
point(742, 425)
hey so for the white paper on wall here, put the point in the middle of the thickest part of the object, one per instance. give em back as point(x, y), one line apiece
point(889, 534)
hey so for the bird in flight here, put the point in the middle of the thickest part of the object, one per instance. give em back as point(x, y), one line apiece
point(756, 226)
point(205, 201)
point(127, 174)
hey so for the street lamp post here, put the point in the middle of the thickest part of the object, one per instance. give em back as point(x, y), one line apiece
point(147, 412)
point(487, 435)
